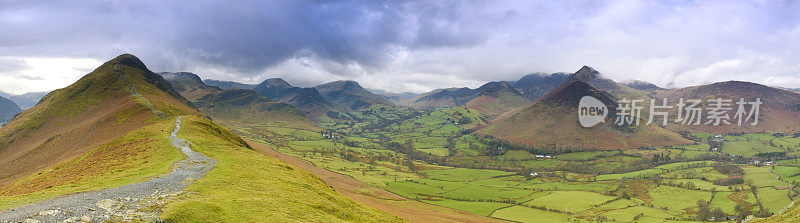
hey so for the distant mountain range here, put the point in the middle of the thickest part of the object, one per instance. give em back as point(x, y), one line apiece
point(780, 110)
point(236, 107)
point(349, 95)
point(7, 109)
point(308, 100)
point(396, 98)
point(493, 98)
point(229, 84)
point(535, 86)
point(641, 85)
point(552, 121)
point(24, 101)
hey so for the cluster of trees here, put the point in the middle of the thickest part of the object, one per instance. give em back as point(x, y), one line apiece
point(729, 169)
point(705, 212)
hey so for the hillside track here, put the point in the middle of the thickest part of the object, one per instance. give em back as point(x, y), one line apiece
point(134, 202)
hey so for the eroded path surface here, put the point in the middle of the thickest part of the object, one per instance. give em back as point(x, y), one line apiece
point(139, 201)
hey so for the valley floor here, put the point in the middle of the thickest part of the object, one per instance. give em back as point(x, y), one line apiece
point(405, 208)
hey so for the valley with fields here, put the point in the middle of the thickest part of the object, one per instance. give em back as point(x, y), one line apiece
point(399, 111)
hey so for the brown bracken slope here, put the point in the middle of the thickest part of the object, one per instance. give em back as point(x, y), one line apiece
point(552, 122)
point(118, 97)
point(780, 111)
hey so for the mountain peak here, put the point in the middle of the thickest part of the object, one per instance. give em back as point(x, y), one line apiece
point(129, 60)
point(572, 92)
point(275, 82)
point(586, 73)
point(341, 85)
point(495, 87)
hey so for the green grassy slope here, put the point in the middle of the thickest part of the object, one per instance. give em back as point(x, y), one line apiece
point(246, 186)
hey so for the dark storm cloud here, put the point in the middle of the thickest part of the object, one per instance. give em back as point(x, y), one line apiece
point(245, 35)
point(409, 45)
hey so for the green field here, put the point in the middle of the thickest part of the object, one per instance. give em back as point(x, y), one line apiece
point(427, 157)
point(569, 201)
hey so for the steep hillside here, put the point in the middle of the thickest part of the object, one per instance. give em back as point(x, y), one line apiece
point(495, 98)
point(535, 86)
point(617, 90)
point(308, 100)
point(7, 110)
point(247, 186)
point(228, 84)
point(789, 215)
point(239, 107)
point(552, 122)
point(112, 101)
point(780, 110)
point(349, 95)
point(189, 85)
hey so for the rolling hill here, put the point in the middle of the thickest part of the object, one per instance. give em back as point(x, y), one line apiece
point(308, 100)
point(551, 122)
point(447, 97)
point(349, 95)
point(495, 98)
point(189, 85)
point(492, 99)
point(7, 109)
point(235, 108)
point(780, 110)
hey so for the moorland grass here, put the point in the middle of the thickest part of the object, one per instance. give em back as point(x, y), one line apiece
point(134, 157)
point(246, 186)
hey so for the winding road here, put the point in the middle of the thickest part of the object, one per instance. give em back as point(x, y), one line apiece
point(131, 202)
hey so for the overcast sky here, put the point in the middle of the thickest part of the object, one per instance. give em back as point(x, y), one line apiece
point(403, 45)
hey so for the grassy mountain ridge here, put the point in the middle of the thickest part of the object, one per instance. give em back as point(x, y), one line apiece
point(112, 101)
point(242, 107)
point(308, 100)
point(237, 107)
point(228, 84)
point(780, 110)
point(535, 86)
point(121, 115)
point(493, 98)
